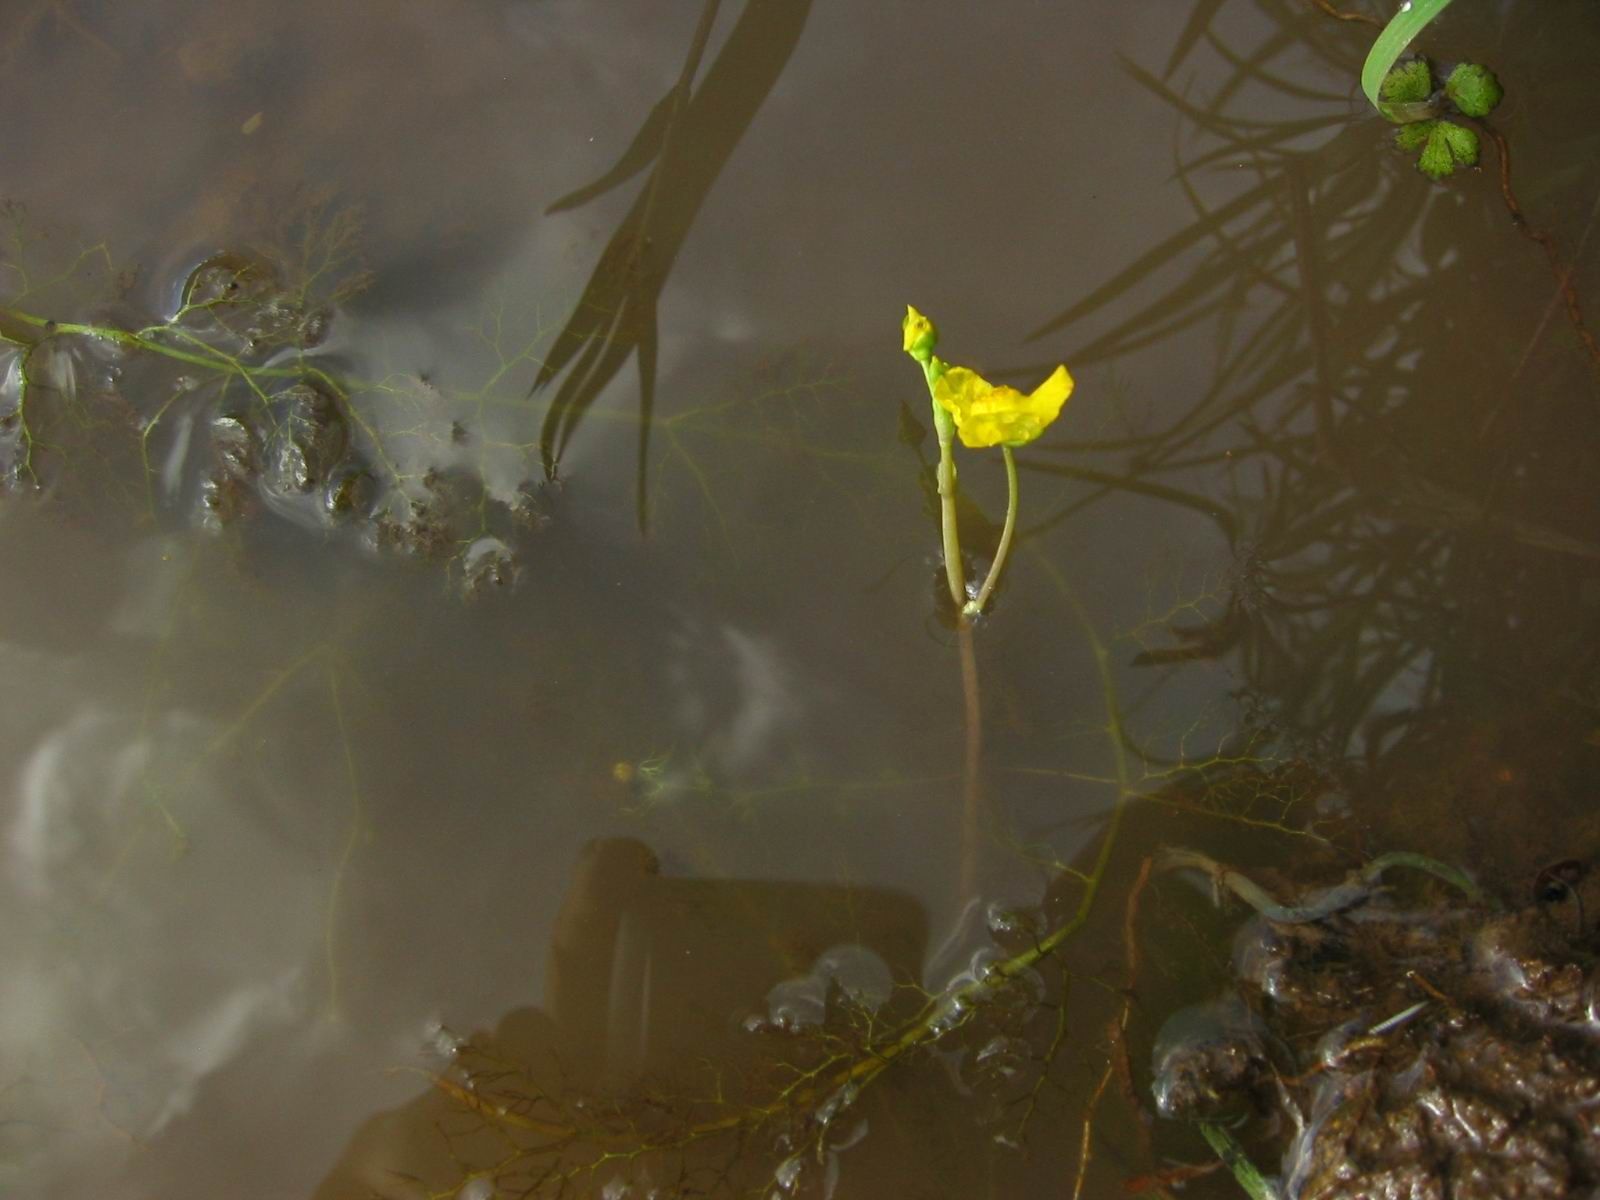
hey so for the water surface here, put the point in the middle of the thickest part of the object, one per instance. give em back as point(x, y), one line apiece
point(554, 696)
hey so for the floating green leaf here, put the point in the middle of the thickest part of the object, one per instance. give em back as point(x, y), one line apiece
point(1448, 146)
point(1473, 89)
point(1413, 136)
point(1409, 82)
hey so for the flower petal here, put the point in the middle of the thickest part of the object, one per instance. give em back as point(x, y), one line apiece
point(1046, 400)
point(989, 415)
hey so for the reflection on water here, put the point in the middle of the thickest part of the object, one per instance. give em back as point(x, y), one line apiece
point(653, 984)
point(441, 762)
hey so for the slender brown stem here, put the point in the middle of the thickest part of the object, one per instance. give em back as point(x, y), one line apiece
point(1341, 15)
point(972, 794)
point(1561, 271)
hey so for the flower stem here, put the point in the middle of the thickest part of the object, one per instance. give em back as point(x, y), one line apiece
point(947, 518)
point(944, 427)
point(973, 607)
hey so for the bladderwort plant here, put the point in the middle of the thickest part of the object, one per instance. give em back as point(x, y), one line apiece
point(981, 414)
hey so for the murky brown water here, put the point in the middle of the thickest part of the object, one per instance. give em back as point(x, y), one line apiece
point(480, 717)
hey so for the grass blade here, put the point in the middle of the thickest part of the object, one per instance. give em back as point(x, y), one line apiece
point(1411, 20)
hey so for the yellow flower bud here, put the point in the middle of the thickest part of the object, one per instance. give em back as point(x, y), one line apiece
point(920, 336)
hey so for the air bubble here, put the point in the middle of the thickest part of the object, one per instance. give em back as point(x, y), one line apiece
point(856, 972)
point(1011, 925)
point(953, 1013)
point(1003, 1058)
point(788, 1174)
point(441, 1041)
point(797, 1004)
point(620, 1188)
point(835, 1104)
point(487, 565)
point(1001, 1071)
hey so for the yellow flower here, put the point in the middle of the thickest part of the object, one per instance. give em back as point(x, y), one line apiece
point(987, 415)
point(920, 336)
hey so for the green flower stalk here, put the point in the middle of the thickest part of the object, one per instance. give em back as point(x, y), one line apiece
point(981, 414)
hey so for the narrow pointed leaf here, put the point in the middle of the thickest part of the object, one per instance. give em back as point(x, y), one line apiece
point(641, 152)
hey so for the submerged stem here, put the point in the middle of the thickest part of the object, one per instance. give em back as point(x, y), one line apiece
point(975, 606)
point(1355, 890)
point(971, 791)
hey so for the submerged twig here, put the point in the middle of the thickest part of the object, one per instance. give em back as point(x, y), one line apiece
point(1340, 15)
point(1344, 896)
point(1546, 242)
point(1117, 1030)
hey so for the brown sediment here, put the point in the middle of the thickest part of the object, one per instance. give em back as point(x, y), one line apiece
point(1436, 1049)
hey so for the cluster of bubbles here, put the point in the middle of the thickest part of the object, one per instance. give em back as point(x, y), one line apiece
point(848, 972)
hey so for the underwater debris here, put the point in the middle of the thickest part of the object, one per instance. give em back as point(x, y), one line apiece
point(1211, 1059)
point(1440, 1048)
point(308, 440)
